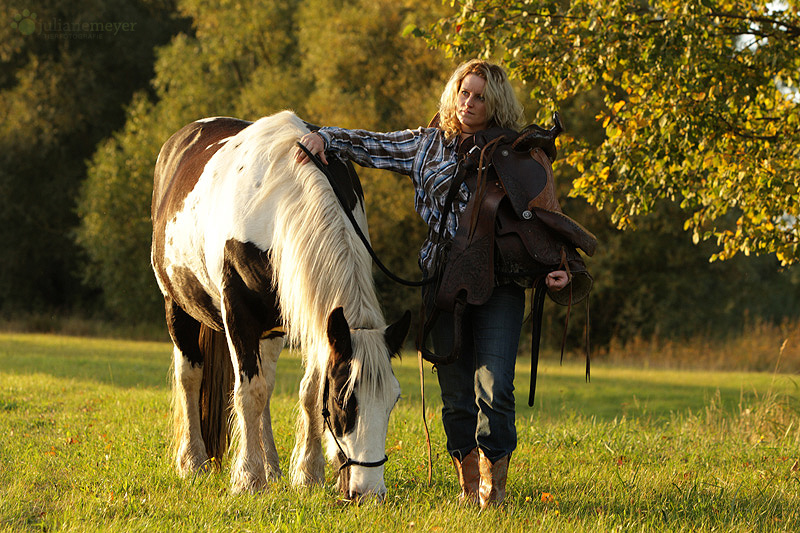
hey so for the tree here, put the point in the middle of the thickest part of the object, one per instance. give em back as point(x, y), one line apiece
point(381, 81)
point(700, 98)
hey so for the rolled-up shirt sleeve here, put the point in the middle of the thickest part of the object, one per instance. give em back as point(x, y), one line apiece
point(393, 151)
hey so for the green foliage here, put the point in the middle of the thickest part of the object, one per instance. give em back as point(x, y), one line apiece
point(61, 92)
point(700, 104)
point(84, 444)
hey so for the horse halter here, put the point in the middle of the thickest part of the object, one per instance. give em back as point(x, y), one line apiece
point(326, 415)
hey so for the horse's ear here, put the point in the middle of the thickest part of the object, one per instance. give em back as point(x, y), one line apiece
point(339, 334)
point(396, 333)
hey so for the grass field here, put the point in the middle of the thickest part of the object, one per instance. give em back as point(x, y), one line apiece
point(84, 438)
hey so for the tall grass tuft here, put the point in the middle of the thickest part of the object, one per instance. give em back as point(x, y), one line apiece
point(769, 418)
point(760, 347)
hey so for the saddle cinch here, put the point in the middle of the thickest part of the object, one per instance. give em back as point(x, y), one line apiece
point(512, 229)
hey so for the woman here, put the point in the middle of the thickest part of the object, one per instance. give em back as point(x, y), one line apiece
point(477, 390)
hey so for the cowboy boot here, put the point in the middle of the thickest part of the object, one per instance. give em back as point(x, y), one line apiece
point(469, 476)
point(493, 480)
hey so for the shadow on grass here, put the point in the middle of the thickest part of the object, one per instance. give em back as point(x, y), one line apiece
point(125, 364)
point(612, 392)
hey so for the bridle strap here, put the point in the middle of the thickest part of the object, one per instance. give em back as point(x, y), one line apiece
point(326, 416)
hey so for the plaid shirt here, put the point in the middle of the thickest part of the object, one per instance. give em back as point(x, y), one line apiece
point(423, 154)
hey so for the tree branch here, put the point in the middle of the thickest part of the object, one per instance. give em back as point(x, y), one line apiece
point(791, 29)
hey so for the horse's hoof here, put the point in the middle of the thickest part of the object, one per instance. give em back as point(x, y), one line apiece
point(273, 474)
point(190, 464)
point(247, 483)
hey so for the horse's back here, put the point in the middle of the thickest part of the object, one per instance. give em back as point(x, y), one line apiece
point(182, 159)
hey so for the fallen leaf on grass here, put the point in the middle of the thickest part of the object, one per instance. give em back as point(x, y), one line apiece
point(548, 498)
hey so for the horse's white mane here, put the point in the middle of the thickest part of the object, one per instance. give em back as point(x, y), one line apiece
point(318, 261)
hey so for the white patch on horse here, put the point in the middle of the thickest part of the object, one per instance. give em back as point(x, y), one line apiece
point(215, 211)
point(221, 141)
point(208, 119)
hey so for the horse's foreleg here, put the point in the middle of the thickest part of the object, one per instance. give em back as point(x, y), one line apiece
point(189, 449)
point(308, 461)
point(249, 400)
point(270, 350)
point(250, 387)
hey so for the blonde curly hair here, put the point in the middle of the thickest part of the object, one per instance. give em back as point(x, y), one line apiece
point(502, 106)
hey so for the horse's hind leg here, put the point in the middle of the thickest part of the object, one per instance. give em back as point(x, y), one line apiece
point(308, 461)
point(189, 449)
point(270, 350)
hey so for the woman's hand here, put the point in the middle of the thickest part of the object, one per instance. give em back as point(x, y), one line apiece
point(313, 141)
point(557, 280)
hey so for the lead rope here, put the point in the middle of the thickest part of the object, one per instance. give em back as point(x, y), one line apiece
point(424, 419)
point(565, 266)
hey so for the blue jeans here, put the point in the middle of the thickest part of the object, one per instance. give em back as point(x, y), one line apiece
point(478, 389)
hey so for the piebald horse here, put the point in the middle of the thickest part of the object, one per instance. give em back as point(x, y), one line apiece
point(249, 245)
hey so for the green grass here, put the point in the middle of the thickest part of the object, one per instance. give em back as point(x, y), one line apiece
point(84, 440)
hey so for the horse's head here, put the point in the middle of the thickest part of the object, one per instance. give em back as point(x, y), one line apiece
point(360, 391)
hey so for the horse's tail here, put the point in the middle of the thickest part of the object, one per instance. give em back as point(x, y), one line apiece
point(215, 392)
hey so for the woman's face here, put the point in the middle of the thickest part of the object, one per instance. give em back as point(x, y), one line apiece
point(471, 110)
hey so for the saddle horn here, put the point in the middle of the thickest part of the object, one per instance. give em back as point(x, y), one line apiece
point(535, 136)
